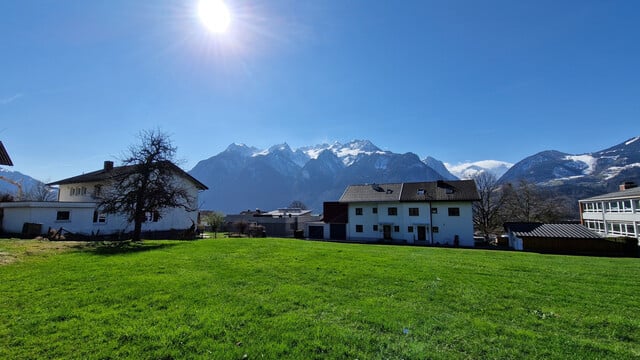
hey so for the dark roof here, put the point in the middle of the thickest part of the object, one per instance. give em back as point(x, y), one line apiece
point(115, 172)
point(568, 231)
point(4, 156)
point(624, 194)
point(372, 192)
point(458, 190)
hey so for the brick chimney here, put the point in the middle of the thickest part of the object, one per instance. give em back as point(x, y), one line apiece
point(627, 185)
point(108, 165)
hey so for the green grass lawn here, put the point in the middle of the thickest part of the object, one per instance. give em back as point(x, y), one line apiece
point(281, 298)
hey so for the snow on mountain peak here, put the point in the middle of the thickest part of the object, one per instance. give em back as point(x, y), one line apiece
point(589, 160)
point(632, 140)
point(467, 170)
point(348, 153)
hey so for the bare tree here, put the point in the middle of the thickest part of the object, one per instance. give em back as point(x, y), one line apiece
point(40, 192)
point(241, 226)
point(146, 184)
point(215, 220)
point(530, 203)
point(486, 212)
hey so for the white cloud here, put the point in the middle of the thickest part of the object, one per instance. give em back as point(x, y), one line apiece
point(10, 99)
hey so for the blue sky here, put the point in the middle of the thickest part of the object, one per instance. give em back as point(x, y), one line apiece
point(456, 80)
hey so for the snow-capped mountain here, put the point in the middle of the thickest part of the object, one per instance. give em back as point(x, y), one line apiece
point(440, 168)
point(243, 177)
point(348, 153)
point(599, 172)
point(467, 170)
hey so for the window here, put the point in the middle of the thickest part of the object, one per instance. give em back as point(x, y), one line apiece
point(375, 210)
point(414, 212)
point(396, 228)
point(392, 211)
point(359, 228)
point(72, 191)
point(435, 229)
point(420, 192)
point(454, 211)
point(99, 217)
point(410, 229)
point(97, 190)
point(375, 227)
point(434, 210)
point(63, 216)
point(358, 211)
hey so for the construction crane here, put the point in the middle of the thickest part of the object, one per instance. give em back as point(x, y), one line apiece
point(17, 184)
point(6, 160)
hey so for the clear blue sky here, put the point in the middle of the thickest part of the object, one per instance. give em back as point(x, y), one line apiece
point(457, 80)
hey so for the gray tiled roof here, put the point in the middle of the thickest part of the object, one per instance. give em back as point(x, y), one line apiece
point(569, 231)
point(104, 175)
point(624, 194)
point(372, 192)
point(4, 156)
point(459, 190)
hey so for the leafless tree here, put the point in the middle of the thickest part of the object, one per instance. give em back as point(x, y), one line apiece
point(530, 203)
point(215, 220)
point(241, 226)
point(146, 184)
point(486, 212)
point(40, 192)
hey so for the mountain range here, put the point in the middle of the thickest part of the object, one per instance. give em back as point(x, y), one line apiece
point(244, 177)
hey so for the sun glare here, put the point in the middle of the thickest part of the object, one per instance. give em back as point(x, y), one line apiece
point(215, 15)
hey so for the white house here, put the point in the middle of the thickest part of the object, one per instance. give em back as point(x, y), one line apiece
point(437, 212)
point(614, 214)
point(76, 212)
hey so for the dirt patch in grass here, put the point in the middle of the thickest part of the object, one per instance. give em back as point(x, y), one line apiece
point(12, 250)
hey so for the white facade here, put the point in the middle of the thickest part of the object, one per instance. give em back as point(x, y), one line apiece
point(612, 215)
point(75, 212)
point(436, 223)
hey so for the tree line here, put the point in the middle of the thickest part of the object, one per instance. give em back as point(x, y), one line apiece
point(519, 202)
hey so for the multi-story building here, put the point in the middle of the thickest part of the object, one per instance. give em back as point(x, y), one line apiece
point(437, 212)
point(614, 214)
point(77, 212)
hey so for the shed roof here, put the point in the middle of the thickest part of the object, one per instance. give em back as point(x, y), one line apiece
point(117, 171)
point(4, 156)
point(540, 230)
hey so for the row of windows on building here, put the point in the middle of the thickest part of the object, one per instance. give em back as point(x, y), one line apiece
point(98, 217)
point(82, 191)
point(624, 206)
point(613, 228)
point(393, 211)
point(396, 228)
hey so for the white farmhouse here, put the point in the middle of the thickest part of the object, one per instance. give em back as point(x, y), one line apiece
point(614, 214)
point(437, 213)
point(76, 209)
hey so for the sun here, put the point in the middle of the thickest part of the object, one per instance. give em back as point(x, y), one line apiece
point(215, 15)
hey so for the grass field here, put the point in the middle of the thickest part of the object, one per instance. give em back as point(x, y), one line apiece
point(280, 298)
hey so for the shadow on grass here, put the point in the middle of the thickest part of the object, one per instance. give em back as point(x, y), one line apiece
point(125, 247)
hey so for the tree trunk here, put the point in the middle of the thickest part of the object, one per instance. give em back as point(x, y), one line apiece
point(137, 229)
